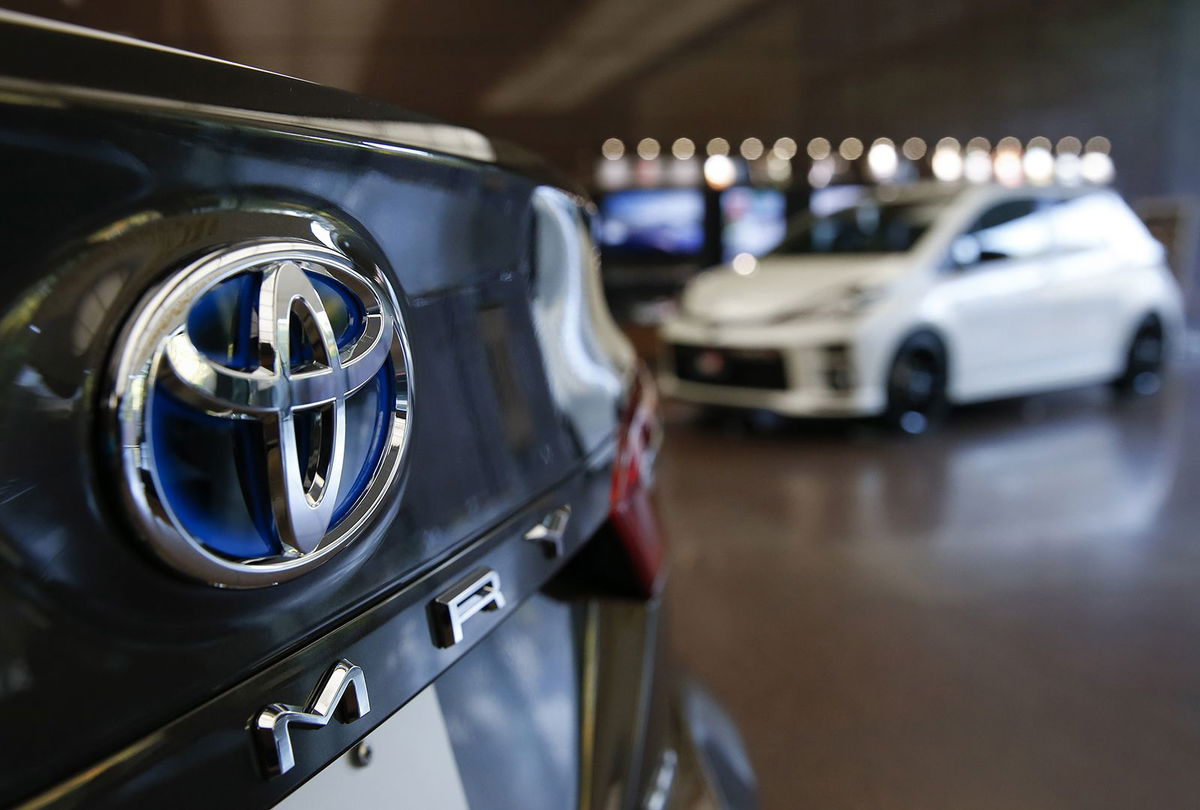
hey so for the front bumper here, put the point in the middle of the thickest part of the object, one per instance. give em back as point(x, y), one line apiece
point(791, 402)
point(825, 370)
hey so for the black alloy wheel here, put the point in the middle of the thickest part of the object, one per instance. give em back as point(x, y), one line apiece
point(916, 386)
point(1144, 360)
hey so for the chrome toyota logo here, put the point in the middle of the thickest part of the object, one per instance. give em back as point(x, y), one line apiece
point(262, 401)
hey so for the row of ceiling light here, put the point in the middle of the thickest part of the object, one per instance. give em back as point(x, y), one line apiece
point(849, 149)
point(1070, 160)
point(685, 148)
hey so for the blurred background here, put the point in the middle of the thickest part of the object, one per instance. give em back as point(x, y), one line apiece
point(1001, 614)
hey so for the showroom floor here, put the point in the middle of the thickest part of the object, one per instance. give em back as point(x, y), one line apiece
point(1002, 615)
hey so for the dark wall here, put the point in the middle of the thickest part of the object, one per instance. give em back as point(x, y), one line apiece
point(1078, 69)
point(1126, 70)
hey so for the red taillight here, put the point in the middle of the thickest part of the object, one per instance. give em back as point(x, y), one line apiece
point(632, 509)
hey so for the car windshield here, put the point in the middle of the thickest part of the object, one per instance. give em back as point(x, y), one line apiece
point(870, 226)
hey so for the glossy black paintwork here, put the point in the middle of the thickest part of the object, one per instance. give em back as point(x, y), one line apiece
point(205, 757)
point(102, 645)
point(123, 684)
point(513, 712)
point(51, 57)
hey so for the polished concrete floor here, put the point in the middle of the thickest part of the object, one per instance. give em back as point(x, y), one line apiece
point(1005, 614)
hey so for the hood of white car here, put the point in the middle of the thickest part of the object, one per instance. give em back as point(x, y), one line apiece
point(783, 285)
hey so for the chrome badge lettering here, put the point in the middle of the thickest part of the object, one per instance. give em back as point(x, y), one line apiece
point(477, 591)
point(342, 693)
point(550, 533)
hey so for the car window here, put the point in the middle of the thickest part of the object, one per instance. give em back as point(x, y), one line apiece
point(870, 226)
point(1013, 229)
point(1091, 221)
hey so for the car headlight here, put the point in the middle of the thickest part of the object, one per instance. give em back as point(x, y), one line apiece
point(851, 301)
point(844, 303)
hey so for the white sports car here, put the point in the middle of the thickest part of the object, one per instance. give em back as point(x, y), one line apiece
point(917, 298)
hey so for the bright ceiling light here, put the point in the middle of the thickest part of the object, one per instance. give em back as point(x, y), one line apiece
point(648, 149)
point(1096, 167)
point(683, 149)
point(1007, 165)
point(914, 148)
point(819, 148)
point(882, 160)
point(613, 149)
point(851, 149)
point(977, 166)
point(752, 149)
point(719, 171)
point(947, 161)
point(784, 149)
point(744, 264)
point(1098, 144)
point(1068, 168)
point(1039, 163)
point(718, 146)
point(1069, 145)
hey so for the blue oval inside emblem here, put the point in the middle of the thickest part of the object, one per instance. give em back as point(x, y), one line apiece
point(213, 470)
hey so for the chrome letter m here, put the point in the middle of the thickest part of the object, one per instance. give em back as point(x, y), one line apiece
point(344, 691)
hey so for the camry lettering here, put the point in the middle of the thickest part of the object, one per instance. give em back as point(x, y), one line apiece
point(477, 591)
point(342, 693)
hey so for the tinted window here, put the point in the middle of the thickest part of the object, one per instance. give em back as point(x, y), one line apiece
point(1014, 229)
point(869, 227)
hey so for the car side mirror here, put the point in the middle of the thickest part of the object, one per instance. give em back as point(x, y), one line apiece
point(965, 251)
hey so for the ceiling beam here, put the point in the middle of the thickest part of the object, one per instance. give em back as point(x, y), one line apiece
point(610, 41)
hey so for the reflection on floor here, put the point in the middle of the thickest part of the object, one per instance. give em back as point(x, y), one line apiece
point(1005, 614)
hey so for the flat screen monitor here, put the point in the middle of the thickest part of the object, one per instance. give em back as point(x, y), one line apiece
point(652, 224)
point(753, 220)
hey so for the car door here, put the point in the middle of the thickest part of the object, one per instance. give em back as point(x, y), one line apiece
point(995, 296)
point(1089, 283)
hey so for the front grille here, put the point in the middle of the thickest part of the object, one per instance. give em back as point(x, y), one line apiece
point(742, 368)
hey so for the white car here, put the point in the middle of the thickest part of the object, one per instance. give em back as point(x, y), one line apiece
point(917, 298)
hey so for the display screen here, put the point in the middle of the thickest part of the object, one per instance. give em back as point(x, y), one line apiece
point(652, 223)
point(754, 220)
